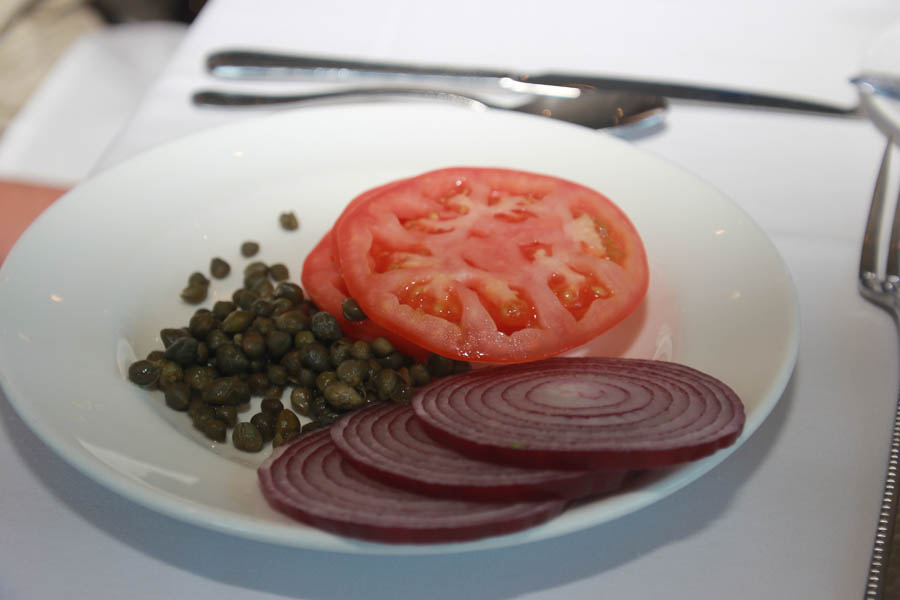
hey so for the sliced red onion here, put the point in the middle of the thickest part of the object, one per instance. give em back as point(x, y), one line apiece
point(388, 443)
point(310, 481)
point(582, 413)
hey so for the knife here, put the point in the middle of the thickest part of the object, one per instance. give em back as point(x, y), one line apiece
point(245, 64)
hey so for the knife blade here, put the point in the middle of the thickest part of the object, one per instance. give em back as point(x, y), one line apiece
point(245, 64)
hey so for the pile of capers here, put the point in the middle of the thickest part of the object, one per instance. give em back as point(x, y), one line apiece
point(268, 339)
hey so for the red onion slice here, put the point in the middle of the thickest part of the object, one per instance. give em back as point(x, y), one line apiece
point(582, 413)
point(388, 443)
point(310, 481)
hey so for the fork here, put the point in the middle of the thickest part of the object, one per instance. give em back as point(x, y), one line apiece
point(884, 572)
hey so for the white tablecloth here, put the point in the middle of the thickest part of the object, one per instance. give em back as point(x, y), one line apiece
point(790, 515)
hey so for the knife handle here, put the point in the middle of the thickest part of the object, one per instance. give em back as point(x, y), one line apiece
point(242, 64)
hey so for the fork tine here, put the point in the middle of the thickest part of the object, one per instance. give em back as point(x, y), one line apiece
point(868, 261)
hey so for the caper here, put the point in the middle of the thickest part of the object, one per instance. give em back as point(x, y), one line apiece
point(439, 366)
point(230, 360)
point(342, 396)
point(183, 350)
point(244, 298)
point(199, 279)
point(177, 395)
point(351, 310)
point(325, 379)
point(360, 350)
point(231, 391)
point(238, 320)
point(278, 343)
point(255, 269)
point(420, 374)
point(286, 422)
point(249, 248)
point(215, 339)
point(403, 393)
point(263, 325)
point(144, 373)
point(403, 374)
point(352, 372)
point(300, 400)
point(304, 337)
point(385, 382)
point(316, 357)
point(292, 365)
point(218, 268)
point(290, 291)
point(253, 343)
point(170, 372)
point(262, 287)
point(327, 418)
point(281, 305)
point(292, 321)
point(306, 377)
point(196, 404)
point(170, 334)
point(202, 414)
point(277, 374)
point(222, 308)
point(263, 307)
point(199, 377)
point(394, 360)
point(226, 414)
point(194, 294)
point(272, 401)
point(246, 437)
point(202, 353)
point(325, 327)
point(382, 347)
point(156, 356)
point(265, 423)
point(279, 272)
point(214, 429)
point(288, 221)
point(339, 351)
point(258, 383)
point(201, 324)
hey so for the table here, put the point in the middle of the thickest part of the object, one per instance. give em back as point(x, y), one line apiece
point(790, 515)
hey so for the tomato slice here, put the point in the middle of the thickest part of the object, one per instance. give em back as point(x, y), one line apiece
point(491, 265)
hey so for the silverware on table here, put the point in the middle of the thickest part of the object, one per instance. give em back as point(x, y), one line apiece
point(874, 83)
point(596, 110)
point(243, 65)
point(884, 569)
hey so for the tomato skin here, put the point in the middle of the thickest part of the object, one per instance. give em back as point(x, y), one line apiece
point(491, 265)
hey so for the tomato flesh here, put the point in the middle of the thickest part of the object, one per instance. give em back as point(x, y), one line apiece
point(491, 265)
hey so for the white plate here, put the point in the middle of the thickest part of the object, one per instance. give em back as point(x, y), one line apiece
point(882, 57)
point(90, 284)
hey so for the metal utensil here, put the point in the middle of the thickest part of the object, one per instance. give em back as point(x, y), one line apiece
point(885, 85)
point(884, 569)
point(241, 64)
point(591, 109)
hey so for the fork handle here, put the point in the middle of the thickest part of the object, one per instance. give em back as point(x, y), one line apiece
point(883, 582)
